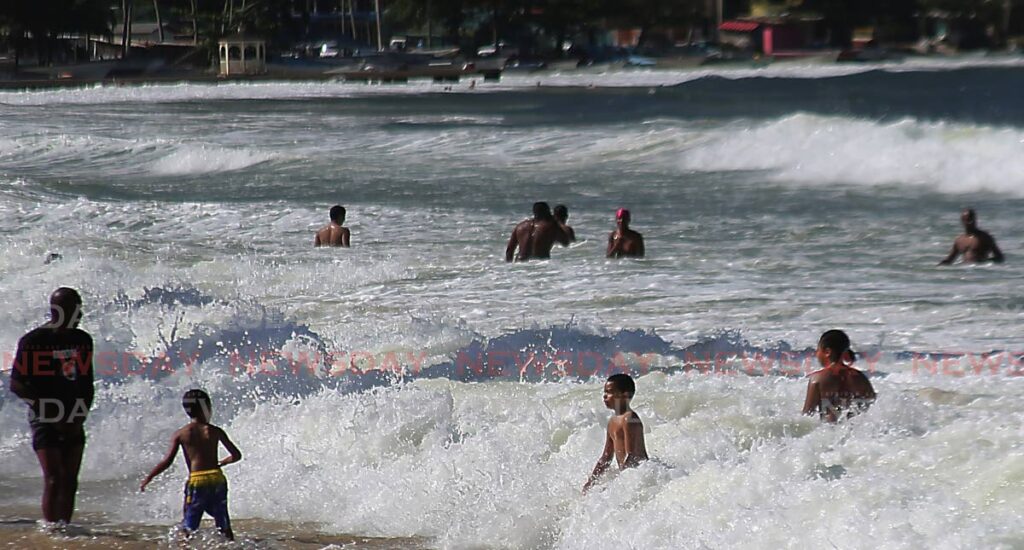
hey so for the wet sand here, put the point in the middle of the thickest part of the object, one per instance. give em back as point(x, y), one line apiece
point(20, 529)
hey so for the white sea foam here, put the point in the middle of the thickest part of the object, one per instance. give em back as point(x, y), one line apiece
point(501, 464)
point(223, 265)
point(819, 150)
point(204, 159)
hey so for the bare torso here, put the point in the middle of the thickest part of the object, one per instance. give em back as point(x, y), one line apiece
point(332, 234)
point(627, 243)
point(535, 238)
point(617, 427)
point(200, 443)
point(570, 233)
point(977, 247)
point(838, 390)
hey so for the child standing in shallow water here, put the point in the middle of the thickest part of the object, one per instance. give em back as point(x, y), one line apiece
point(625, 437)
point(207, 488)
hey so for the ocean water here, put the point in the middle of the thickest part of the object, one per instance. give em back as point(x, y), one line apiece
point(416, 391)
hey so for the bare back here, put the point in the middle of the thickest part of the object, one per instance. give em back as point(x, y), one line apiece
point(200, 443)
point(838, 389)
point(332, 234)
point(977, 247)
point(534, 239)
point(626, 433)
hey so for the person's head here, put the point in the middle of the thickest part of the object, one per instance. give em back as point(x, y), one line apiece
point(338, 214)
point(197, 404)
point(622, 217)
point(561, 213)
point(618, 391)
point(969, 218)
point(833, 348)
point(541, 210)
point(65, 307)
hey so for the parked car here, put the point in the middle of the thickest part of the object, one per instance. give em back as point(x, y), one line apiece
point(501, 48)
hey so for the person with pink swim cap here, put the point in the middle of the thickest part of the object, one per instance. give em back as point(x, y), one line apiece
point(623, 242)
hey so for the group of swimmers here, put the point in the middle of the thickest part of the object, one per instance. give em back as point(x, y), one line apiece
point(534, 238)
point(834, 392)
point(53, 374)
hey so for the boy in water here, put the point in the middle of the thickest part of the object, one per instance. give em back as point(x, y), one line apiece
point(561, 213)
point(625, 430)
point(334, 233)
point(838, 388)
point(207, 488)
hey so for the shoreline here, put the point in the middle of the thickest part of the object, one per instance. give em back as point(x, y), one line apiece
point(19, 82)
point(63, 83)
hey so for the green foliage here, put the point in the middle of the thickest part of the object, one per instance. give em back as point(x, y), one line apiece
point(45, 18)
point(463, 19)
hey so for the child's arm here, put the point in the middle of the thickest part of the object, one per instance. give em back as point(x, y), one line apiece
point(164, 464)
point(602, 463)
point(236, 455)
point(635, 449)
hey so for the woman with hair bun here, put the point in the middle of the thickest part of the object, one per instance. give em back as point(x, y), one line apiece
point(838, 388)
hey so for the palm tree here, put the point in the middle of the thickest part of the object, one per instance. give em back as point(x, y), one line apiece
point(159, 23)
point(126, 27)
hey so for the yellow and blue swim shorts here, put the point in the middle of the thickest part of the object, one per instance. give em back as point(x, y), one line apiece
point(206, 491)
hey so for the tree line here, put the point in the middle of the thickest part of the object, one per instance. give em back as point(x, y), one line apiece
point(37, 24)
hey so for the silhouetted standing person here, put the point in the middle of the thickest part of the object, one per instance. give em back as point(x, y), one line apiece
point(52, 372)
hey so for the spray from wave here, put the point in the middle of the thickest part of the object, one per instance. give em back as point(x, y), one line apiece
point(811, 149)
point(205, 159)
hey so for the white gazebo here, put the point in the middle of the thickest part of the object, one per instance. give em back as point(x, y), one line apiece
point(242, 55)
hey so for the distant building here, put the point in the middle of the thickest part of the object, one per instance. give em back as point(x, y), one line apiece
point(769, 35)
point(242, 55)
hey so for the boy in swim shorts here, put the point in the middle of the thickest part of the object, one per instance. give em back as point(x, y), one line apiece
point(207, 488)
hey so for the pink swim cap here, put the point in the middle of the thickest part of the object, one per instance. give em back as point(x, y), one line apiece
point(621, 213)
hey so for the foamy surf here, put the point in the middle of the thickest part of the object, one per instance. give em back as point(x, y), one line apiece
point(192, 159)
point(815, 150)
point(416, 391)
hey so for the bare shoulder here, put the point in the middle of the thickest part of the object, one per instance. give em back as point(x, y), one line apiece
point(862, 377)
point(216, 431)
point(182, 434)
